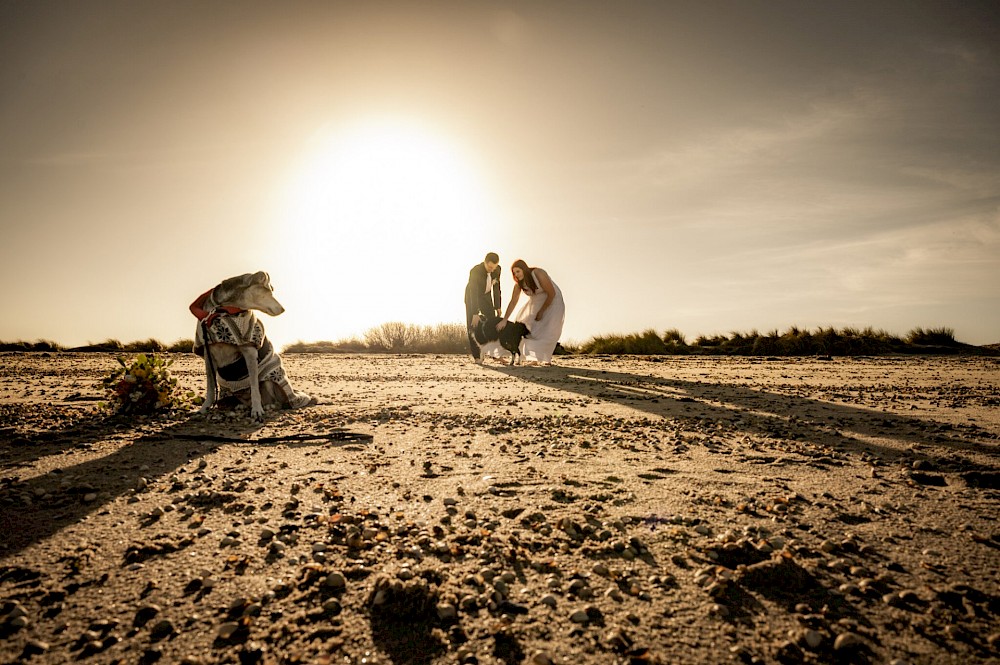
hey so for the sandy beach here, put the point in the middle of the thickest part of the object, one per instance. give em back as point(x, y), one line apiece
point(430, 510)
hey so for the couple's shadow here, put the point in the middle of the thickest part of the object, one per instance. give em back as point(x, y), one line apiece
point(39, 507)
point(757, 411)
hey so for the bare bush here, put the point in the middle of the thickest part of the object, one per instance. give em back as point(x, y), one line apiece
point(391, 337)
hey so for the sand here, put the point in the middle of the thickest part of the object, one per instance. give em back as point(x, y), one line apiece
point(430, 510)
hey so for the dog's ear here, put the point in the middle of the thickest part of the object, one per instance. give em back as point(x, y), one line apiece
point(238, 282)
point(260, 277)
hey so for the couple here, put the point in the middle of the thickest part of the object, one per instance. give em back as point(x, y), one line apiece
point(543, 314)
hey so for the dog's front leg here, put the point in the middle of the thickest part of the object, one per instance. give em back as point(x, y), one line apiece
point(253, 371)
point(211, 387)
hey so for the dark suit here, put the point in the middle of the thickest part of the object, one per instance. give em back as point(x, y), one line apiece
point(480, 301)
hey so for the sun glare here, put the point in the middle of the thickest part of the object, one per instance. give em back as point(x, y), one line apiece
point(382, 223)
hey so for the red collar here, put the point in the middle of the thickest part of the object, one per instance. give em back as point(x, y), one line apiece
point(198, 309)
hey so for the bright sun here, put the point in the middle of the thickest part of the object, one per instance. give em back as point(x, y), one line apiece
point(382, 223)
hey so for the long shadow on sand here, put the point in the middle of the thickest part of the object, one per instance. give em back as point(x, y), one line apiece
point(841, 427)
point(40, 507)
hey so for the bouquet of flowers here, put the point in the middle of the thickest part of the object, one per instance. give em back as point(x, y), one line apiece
point(144, 386)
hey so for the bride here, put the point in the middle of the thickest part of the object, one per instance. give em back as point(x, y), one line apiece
point(543, 314)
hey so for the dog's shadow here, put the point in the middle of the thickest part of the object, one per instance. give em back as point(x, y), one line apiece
point(41, 506)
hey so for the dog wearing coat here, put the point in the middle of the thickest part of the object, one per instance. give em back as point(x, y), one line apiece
point(239, 358)
point(489, 338)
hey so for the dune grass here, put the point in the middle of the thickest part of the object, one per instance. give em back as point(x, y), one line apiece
point(450, 338)
point(107, 346)
point(794, 341)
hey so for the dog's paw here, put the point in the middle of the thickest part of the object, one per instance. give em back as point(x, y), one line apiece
point(300, 400)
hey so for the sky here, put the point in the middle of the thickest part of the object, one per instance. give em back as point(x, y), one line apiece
point(704, 166)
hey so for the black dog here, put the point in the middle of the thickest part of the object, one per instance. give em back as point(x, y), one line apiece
point(509, 338)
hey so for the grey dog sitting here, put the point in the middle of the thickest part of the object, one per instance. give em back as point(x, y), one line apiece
point(238, 355)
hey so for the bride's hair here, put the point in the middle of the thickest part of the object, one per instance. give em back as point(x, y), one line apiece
point(528, 282)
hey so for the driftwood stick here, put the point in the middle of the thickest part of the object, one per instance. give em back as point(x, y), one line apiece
point(333, 436)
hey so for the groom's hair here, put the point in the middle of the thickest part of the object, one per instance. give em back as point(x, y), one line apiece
point(493, 257)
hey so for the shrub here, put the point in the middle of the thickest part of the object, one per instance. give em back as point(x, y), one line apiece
point(393, 336)
point(108, 345)
point(151, 345)
point(181, 346)
point(674, 336)
point(39, 345)
point(713, 341)
point(645, 343)
point(767, 345)
point(442, 338)
point(352, 345)
point(144, 386)
point(796, 342)
point(931, 336)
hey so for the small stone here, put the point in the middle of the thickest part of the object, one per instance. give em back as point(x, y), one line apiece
point(847, 642)
point(446, 612)
point(548, 599)
point(227, 630)
point(145, 614)
point(162, 629)
point(35, 647)
point(812, 639)
point(580, 616)
point(789, 652)
point(718, 609)
point(18, 622)
point(892, 599)
point(335, 581)
point(542, 658)
point(954, 632)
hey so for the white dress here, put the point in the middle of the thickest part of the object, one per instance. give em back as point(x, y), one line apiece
point(544, 334)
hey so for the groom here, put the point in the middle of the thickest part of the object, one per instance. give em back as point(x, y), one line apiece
point(482, 296)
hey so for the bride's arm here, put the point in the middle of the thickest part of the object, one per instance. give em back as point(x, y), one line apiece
point(514, 295)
